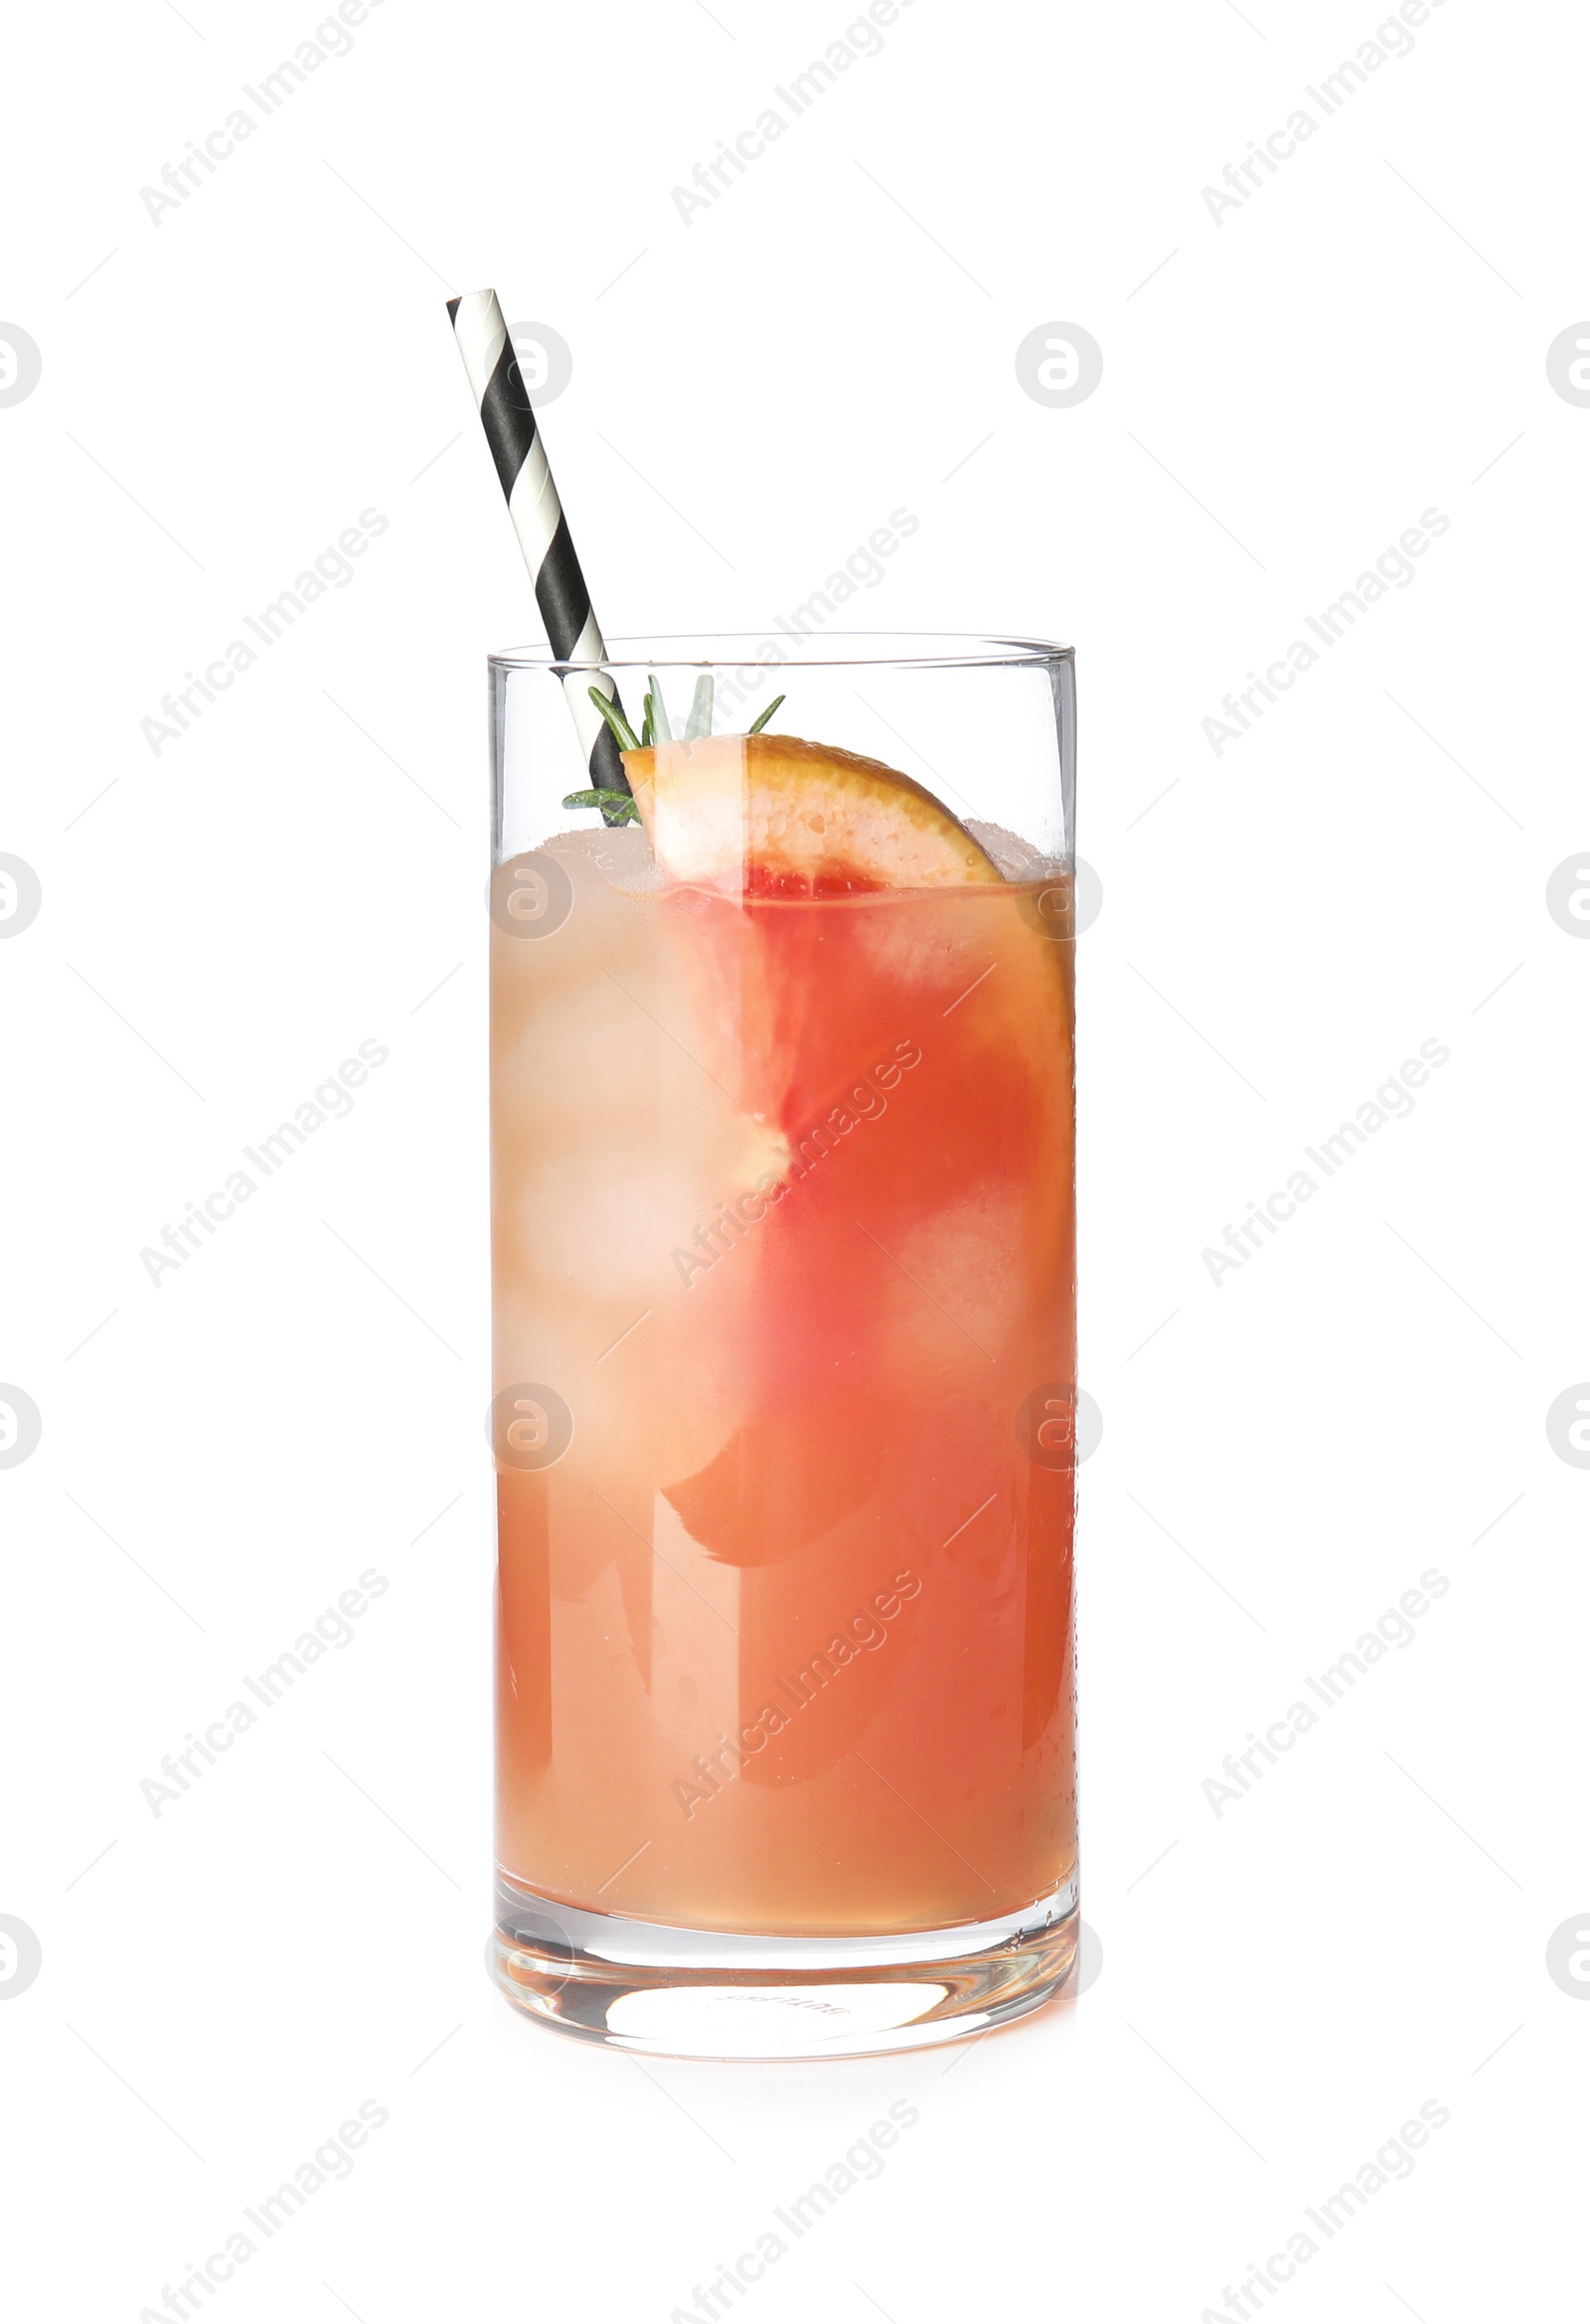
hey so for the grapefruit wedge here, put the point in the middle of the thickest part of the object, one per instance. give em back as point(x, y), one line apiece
point(770, 815)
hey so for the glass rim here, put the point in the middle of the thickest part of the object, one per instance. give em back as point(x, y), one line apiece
point(737, 649)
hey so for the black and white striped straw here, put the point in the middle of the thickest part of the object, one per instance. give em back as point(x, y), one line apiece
point(508, 418)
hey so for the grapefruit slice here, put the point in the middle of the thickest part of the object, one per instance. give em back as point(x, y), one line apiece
point(770, 815)
point(819, 906)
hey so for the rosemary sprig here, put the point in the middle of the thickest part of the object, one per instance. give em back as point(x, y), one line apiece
point(655, 728)
point(617, 805)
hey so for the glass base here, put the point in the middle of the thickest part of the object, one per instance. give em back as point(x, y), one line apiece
point(704, 1993)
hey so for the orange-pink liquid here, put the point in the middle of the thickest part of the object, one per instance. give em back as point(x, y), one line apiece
point(783, 1212)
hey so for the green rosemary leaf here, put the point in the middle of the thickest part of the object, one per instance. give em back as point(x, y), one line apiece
point(624, 732)
point(658, 711)
point(617, 805)
point(700, 709)
point(758, 723)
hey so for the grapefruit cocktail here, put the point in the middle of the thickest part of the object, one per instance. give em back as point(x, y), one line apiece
point(785, 1359)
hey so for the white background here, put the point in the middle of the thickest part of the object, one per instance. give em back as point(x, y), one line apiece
point(1284, 392)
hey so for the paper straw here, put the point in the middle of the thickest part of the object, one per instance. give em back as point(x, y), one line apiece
point(508, 420)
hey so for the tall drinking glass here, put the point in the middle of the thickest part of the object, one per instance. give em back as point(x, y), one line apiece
point(785, 1352)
